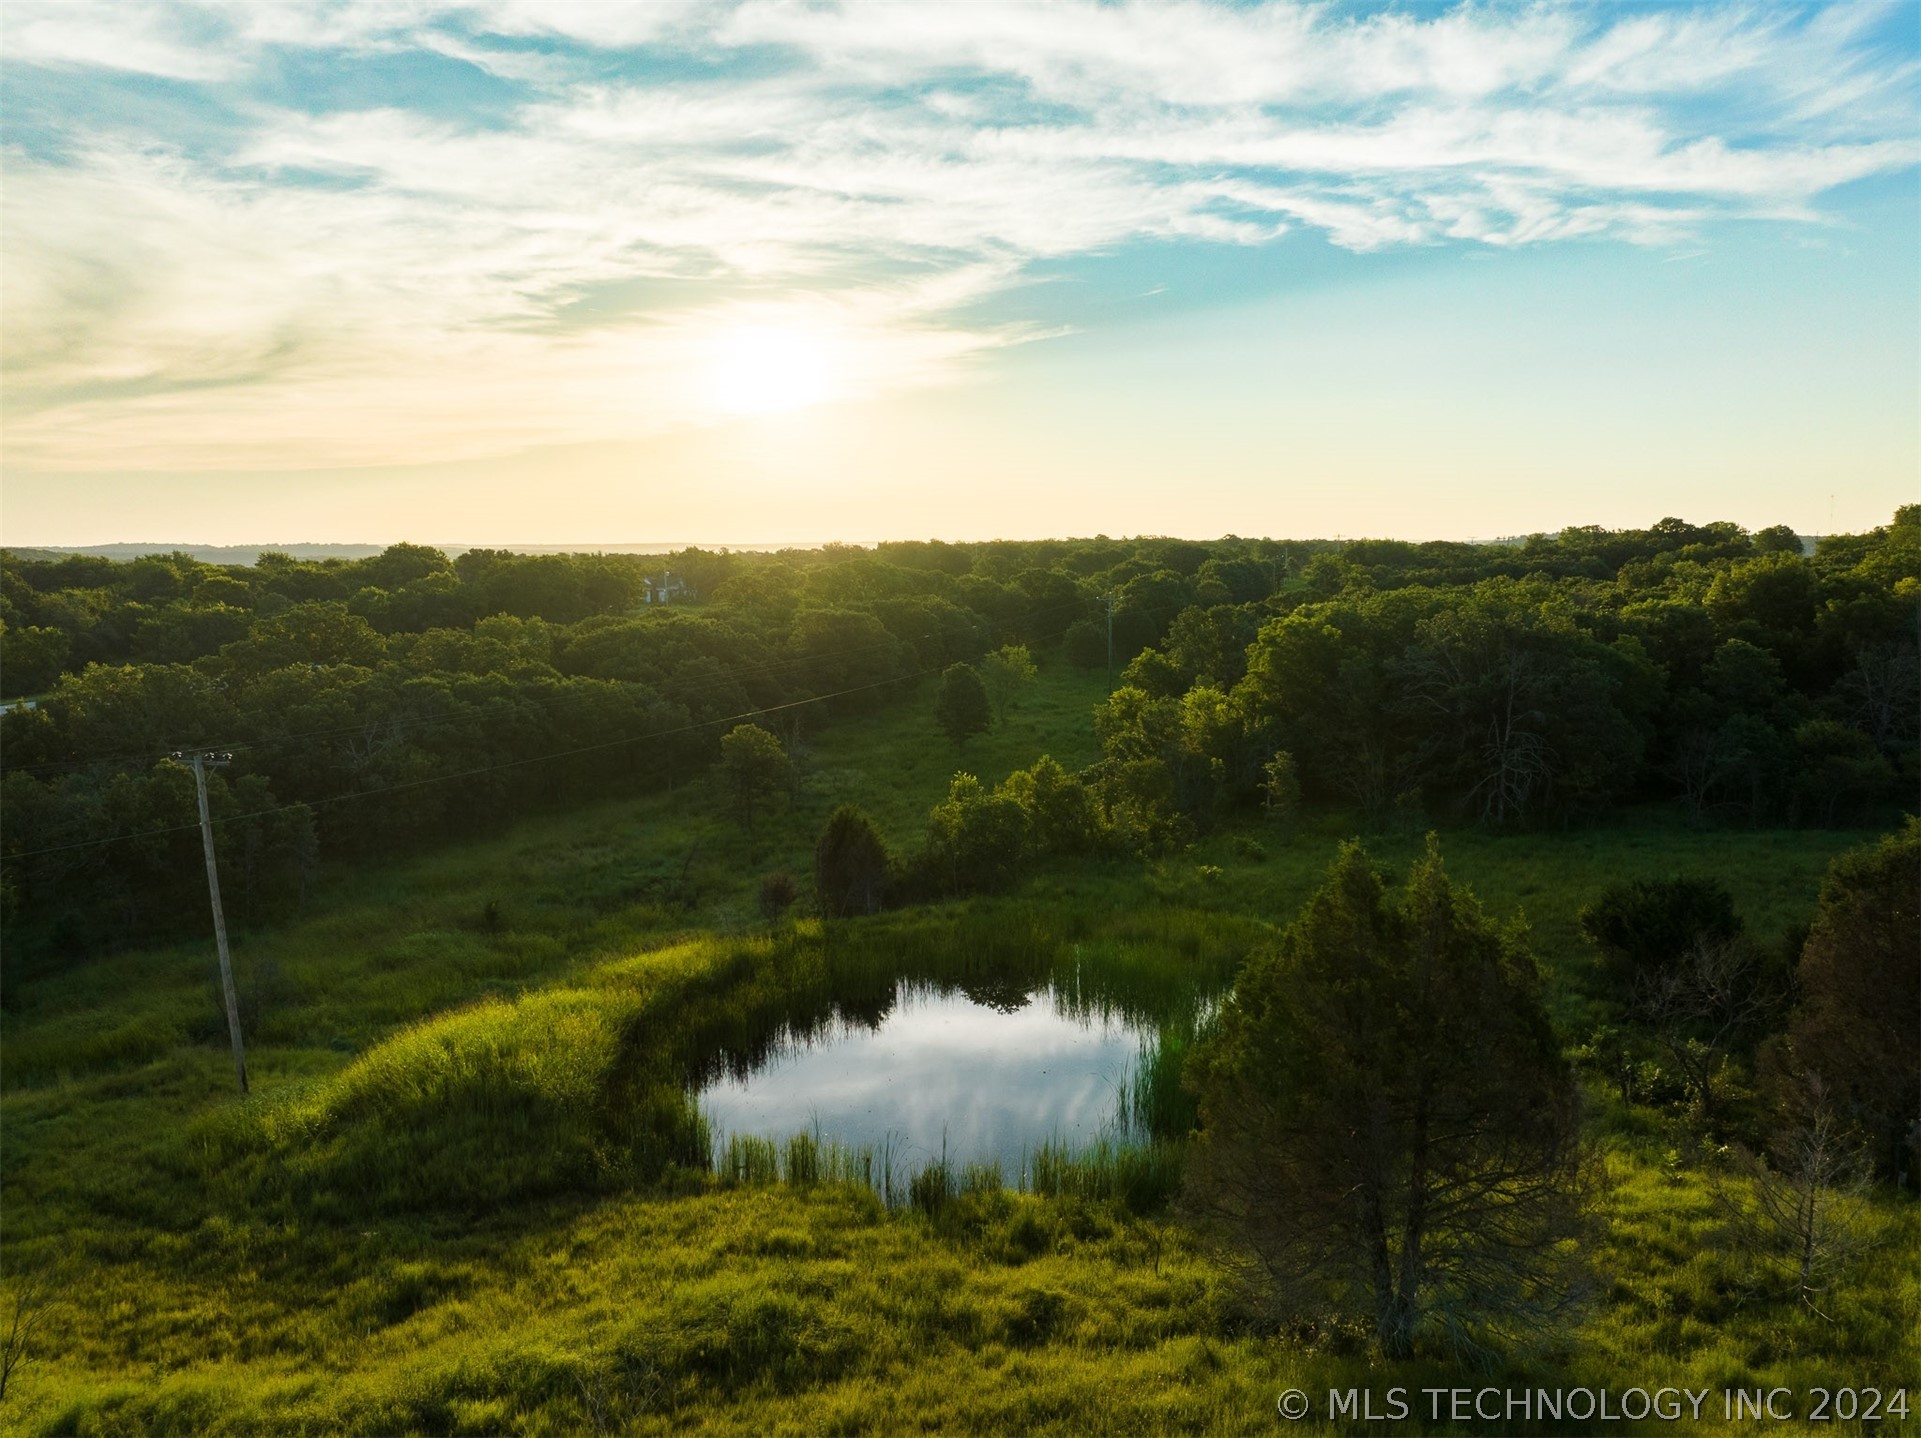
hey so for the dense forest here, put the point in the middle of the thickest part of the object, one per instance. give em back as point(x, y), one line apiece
point(377, 704)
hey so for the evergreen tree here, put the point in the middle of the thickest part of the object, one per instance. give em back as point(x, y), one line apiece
point(850, 864)
point(1388, 1131)
point(1860, 1012)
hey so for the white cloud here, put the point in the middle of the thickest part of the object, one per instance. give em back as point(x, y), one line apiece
point(102, 34)
point(875, 166)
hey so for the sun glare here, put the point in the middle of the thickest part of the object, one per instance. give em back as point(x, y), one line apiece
point(760, 370)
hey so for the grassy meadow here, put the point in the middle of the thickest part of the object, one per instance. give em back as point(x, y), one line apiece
point(468, 1193)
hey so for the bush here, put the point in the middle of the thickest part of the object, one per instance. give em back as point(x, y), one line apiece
point(1647, 925)
point(778, 891)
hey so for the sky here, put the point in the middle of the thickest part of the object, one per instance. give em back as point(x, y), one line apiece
point(562, 271)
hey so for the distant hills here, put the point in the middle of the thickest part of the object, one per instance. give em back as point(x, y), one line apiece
point(250, 553)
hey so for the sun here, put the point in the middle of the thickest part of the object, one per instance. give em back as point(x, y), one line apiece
point(763, 370)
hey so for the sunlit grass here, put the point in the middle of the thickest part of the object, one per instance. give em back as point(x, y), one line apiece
point(471, 1194)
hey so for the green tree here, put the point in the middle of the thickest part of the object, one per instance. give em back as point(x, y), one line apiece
point(1138, 778)
point(1516, 710)
point(1053, 601)
point(1281, 787)
point(1210, 645)
point(1059, 810)
point(1006, 672)
point(1388, 1130)
point(1860, 1010)
point(318, 633)
point(1774, 593)
point(30, 658)
point(755, 769)
point(399, 564)
point(851, 865)
point(1145, 607)
point(1215, 761)
point(846, 653)
point(180, 634)
point(961, 708)
point(1085, 645)
point(1838, 772)
point(976, 839)
point(1153, 673)
point(1320, 678)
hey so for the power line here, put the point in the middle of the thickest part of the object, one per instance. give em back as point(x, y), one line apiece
point(492, 768)
point(731, 676)
point(734, 676)
point(482, 769)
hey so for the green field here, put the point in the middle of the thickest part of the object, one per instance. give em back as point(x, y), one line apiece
point(462, 1197)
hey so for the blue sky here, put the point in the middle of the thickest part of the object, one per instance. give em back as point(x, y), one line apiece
point(745, 272)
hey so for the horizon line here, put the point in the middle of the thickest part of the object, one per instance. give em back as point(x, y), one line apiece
point(762, 546)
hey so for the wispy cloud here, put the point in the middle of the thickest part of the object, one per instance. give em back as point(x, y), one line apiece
point(365, 273)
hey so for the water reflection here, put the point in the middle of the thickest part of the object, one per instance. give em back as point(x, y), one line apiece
point(990, 1071)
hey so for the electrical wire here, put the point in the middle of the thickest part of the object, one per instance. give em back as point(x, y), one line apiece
point(732, 676)
point(311, 804)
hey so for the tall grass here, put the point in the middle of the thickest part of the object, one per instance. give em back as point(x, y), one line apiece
point(1142, 1177)
point(807, 1159)
point(1154, 1099)
point(751, 1160)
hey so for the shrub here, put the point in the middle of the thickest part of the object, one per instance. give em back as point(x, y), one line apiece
point(1646, 925)
point(778, 891)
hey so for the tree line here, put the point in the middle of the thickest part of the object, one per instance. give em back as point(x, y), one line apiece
point(402, 699)
point(369, 710)
point(1724, 672)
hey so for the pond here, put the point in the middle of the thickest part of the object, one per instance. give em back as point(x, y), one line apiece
point(971, 1076)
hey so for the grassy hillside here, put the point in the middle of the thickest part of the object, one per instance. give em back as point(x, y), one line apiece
point(462, 1196)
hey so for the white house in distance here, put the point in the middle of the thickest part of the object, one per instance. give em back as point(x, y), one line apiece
point(664, 588)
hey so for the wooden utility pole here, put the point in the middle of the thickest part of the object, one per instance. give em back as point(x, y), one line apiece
point(201, 763)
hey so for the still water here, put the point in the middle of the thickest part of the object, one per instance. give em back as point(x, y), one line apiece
point(991, 1080)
